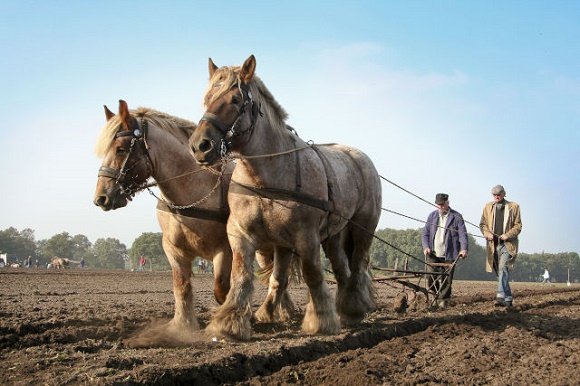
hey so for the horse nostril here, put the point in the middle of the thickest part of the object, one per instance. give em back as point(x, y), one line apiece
point(205, 145)
point(100, 201)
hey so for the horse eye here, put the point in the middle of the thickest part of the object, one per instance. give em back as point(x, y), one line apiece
point(235, 99)
point(120, 150)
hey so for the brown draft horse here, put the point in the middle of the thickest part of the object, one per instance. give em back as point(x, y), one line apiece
point(143, 143)
point(291, 197)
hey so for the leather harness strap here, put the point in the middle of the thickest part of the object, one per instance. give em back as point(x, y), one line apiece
point(220, 215)
point(328, 170)
point(279, 194)
point(298, 175)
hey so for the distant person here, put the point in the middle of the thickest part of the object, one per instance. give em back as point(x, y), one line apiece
point(28, 262)
point(82, 263)
point(444, 240)
point(36, 263)
point(501, 224)
point(546, 276)
point(141, 263)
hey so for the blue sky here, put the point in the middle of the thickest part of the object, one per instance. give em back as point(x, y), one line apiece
point(448, 97)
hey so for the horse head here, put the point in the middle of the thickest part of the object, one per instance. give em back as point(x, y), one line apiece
point(126, 163)
point(230, 115)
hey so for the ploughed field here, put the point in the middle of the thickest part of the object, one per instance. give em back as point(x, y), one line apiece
point(70, 327)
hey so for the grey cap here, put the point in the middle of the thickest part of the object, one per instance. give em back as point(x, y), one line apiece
point(498, 189)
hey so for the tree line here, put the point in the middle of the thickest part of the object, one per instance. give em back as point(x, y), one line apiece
point(391, 247)
point(104, 253)
point(406, 244)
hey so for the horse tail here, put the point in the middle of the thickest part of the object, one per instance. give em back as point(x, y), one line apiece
point(295, 275)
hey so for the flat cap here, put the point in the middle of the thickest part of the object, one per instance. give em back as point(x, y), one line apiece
point(498, 189)
point(441, 198)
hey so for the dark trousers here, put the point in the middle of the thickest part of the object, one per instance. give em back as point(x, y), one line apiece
point(440, 284)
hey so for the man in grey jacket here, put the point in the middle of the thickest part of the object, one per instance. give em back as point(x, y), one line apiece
point(444, 240)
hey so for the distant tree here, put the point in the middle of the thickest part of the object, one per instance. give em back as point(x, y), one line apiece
point(61, 245)
point(83, 250)
point(529, 267)
point(17, 245)
point(396, 246)
point(40, 244)
point(473, 267)
point(109, 253)
point(150, 245)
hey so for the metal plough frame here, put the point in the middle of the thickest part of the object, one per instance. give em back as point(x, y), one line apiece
point(405, 276)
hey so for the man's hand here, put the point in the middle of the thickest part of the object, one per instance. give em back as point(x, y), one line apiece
point(489, 237)
point(462, 254)
point(426, 251)
point(503, 237)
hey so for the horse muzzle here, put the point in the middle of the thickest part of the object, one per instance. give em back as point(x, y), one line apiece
point(205, 152)
point(106, 202)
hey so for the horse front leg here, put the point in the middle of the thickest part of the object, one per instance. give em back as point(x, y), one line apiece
point(232, 318)
point(179, 330)
point(277, 302)
point(320, 316)
point(184, 317)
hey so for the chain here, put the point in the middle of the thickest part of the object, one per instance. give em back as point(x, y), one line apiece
point(201, 200)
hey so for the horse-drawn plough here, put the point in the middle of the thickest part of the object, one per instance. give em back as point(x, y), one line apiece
point(282, 199)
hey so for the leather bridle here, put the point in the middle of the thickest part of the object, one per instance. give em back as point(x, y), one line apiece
point(125, 181)
point(229, 133)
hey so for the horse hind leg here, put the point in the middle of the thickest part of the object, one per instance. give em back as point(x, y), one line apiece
point(334, 250)
point(360, 293)
point(277, 304)
point(222, 263)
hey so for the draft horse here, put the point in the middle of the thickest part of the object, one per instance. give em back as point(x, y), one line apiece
point(288, 196)
point(192, 210)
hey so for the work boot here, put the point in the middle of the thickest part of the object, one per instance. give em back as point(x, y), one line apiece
point(501, 302)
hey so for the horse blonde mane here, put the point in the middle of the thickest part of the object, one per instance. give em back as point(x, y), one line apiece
point(229, 76)
point(180, 128)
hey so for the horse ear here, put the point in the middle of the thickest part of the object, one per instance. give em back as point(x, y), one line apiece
point(248, 68)
point(212, 68)
point(124, 112)
point(108, 113)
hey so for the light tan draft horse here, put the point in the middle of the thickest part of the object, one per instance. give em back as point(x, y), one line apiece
point(289, 196)
point(143, 143)
point(62, 262)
